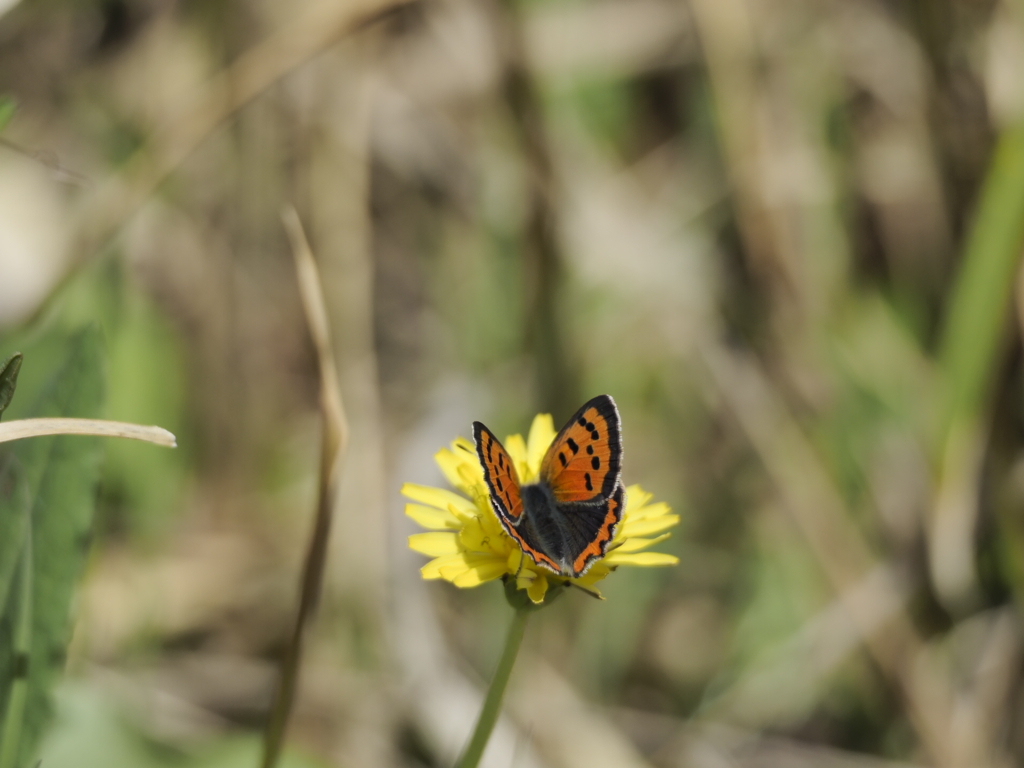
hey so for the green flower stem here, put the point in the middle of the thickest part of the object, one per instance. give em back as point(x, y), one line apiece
point(492, 704)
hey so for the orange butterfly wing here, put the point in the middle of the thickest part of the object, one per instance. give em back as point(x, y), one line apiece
point(500, 474)
point(582, 468)
point(585, 460)
point(600, 536)
point(530, 545)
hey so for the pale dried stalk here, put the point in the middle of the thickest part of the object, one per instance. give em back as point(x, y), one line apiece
point(312, 31)
point(22, 428)
point(336, 425)
point(334, 443)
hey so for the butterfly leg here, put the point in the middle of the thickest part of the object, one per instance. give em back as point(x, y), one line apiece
point(594, 595)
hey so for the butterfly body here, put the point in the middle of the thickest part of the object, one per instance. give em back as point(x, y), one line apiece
point(543, 522)
point(567, 519)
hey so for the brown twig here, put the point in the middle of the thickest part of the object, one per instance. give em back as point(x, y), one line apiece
point(333, 445)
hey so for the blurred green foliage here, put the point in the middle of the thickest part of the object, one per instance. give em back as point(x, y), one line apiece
point(46, 509)
point(828, 193)
point(142, 485)
point(8, 107)
point(95, 732)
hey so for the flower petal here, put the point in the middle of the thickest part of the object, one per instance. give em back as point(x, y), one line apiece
point(479, 574)
point(431, 517)
point(527, 574)
point(633, 528)
point(437, 497)
point(515, 560)
point(538, 588)
point(454, 570)
point(473, 537)
point(635, 544)
point(495, 533)
point(465, 450)
point(468, 561)
point(516, 447)
point(436, 568)
point(636, 497)
point(472, 476)
point(450, 464)
point(647, 559)
point(464, 517)
point(597, 572)
point(649, 511)
point(542, 434)
point(435, 544)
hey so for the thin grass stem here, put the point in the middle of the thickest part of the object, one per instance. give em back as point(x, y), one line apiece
point(333, 443)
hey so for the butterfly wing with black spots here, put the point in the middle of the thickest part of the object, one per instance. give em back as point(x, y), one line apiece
point(500, 474)
point(584, 462)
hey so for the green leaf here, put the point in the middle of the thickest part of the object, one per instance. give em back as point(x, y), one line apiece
point(8, 107)
point(9, 380)
point(47, 488)
point(982, 296)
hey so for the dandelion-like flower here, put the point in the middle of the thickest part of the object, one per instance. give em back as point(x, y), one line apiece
point(470, 547)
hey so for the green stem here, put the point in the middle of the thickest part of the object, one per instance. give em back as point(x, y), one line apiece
point(492, 704)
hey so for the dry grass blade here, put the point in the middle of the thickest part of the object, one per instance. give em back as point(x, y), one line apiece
point(22, 428)
point(542, 252)
point(335, 424)
point(252, 73)
point(774, 692)
point(711, 745)
point(726, 31)
point(840, 550)
point(335, 439)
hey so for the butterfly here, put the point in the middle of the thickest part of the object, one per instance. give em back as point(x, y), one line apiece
point(566, 520)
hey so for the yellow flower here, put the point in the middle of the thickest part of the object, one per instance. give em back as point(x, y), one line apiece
point(470, 547)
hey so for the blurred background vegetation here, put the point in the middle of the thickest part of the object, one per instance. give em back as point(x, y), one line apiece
point(785, 235)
